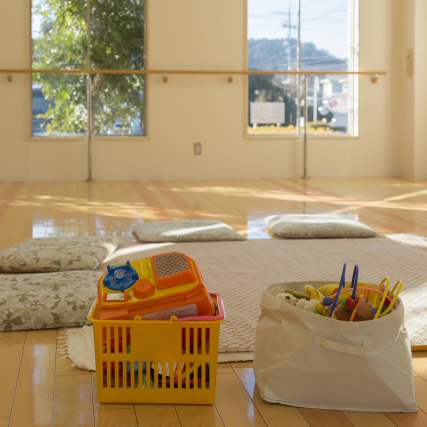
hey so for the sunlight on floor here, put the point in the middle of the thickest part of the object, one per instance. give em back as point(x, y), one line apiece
point(113, 208)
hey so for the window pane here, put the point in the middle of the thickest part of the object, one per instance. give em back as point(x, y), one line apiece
point(272, 38)
point(118, 104)
point(117, 42)
point(328, 104)
point(58, 32)
point(272, 104)
point(59, 41)
point(59, 104)
point(325, 31)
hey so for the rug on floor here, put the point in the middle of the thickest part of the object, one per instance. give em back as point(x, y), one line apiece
point(239, 271)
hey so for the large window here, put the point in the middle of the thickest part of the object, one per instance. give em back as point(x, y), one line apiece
point(302, 35)
point(111, 39)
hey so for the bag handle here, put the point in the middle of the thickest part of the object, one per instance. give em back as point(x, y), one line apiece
point(354, 350)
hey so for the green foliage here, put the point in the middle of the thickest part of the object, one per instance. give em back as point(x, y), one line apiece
point(116, 42)
point(266, 88)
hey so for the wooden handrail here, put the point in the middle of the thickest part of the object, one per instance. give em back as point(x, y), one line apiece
point(244, 72)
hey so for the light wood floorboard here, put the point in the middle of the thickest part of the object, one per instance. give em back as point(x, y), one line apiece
point(73, 401)
point(368, 419)
point(33, 399)
point(11, 348)
point(198, 415)
point(115, 418)
point(150, 415)
point(234, 405)
point(274, 415)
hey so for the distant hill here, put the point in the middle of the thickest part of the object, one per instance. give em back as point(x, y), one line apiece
point(274, 54)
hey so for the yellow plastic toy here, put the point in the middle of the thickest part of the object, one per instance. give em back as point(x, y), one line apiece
point(323, 291)
point(385, 292)
point(154, 288)
point(313, 292)
point(397, 287)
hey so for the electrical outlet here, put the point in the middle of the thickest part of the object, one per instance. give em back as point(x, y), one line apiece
point(197, 148)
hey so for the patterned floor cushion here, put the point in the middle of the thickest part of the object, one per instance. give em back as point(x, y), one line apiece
point(57, 254)
point(185, 231)
point(46, 300)
point(318, 226)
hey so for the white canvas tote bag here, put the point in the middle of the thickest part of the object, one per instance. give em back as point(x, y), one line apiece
point(308, 360)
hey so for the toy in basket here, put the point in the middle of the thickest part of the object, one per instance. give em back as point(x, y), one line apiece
point(295, 348)
point(354, 302)
point(154, 288)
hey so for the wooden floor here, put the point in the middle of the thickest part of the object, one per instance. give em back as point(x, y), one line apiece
point(39, 388)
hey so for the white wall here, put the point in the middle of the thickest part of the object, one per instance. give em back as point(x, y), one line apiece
point(420, 96)
point(411, 91)
point(194, 34)
point(404, 86)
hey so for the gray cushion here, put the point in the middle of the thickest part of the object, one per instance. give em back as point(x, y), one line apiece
point(46, 300)
point(185, 231)
point(57, 254)
point(318, 226)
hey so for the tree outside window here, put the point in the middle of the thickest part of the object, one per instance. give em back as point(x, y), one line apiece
point(60, 41)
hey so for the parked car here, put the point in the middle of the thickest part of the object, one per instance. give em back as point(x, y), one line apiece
point(337, 104)
point(40, 106)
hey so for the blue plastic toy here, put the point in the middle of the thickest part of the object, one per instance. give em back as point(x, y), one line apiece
point(350, 302)
point(341, 285)
point(120, 278)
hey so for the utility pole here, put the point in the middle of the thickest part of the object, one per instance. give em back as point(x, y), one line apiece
point(288, 48)
point(315, 90)
point(288, 24)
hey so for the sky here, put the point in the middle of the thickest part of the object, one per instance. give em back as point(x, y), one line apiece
point(36, 20)
point(323, 22)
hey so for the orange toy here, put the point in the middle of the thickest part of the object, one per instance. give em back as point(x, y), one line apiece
point(154, 288)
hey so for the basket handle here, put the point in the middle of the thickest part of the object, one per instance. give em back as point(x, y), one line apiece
point(354, 350)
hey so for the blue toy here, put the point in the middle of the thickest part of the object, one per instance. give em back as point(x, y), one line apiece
point(341, 285)
point(120, 278)
point(350, 302)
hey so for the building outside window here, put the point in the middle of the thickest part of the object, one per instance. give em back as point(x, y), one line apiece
point(61, 40)
point(303, 35)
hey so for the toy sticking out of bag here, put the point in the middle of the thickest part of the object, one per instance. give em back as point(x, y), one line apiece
point(356, 302)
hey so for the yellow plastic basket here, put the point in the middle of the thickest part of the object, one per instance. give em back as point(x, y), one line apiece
point(157, 361)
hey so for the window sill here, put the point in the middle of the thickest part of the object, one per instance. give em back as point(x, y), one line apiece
point(57, 139)
point(309, 136)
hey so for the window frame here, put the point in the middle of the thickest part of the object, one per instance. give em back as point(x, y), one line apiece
point(353, 83)
point(82, 138)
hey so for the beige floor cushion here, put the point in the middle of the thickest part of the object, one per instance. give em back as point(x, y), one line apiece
point(46, 300)
point(57, 254)
point(185, 231)
point(318, 226)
